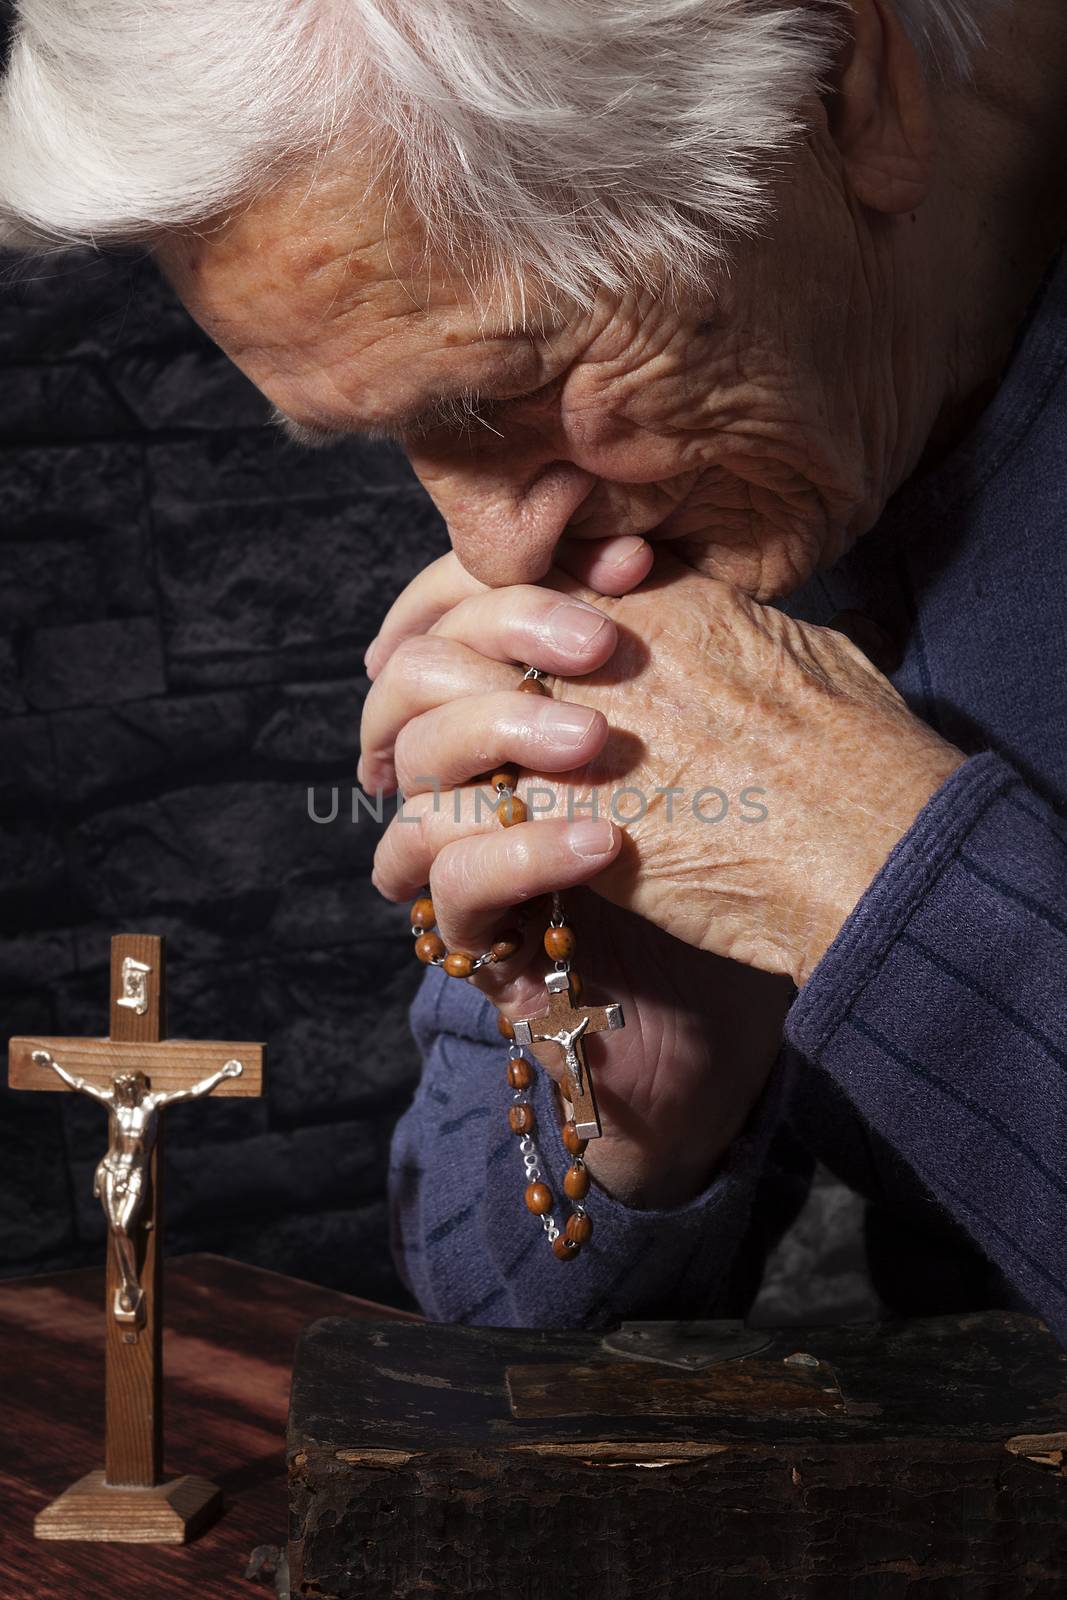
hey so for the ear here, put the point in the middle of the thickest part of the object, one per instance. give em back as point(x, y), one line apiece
point(881, 117)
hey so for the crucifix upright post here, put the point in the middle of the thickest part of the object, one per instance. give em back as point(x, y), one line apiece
point(133, 1433)
point(134, 1074)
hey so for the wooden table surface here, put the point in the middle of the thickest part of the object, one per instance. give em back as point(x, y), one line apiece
point(230, 1332)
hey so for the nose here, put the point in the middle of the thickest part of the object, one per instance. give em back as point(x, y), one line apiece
point(506, 532)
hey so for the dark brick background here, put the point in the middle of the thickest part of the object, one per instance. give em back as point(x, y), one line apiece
point(184, 603)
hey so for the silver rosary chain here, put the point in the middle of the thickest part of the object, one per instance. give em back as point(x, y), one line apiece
point(477, 962)
point(531, 1160)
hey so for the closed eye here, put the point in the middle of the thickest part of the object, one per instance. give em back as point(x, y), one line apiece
point(460, 415)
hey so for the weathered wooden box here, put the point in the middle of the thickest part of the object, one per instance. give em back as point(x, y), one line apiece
point(911, 1461)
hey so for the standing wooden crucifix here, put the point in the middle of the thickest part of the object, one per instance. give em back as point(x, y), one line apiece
point(566, 1025)
point(134, 1073)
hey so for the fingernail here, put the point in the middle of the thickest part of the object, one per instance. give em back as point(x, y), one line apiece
point(359, 772)
point(594, 838)
point(627, 550)
point(368, 654)
point(565, 724)
point(574, 626)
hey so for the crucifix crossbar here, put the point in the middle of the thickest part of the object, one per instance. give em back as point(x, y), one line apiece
point(566, 1024)
point(133, 1074)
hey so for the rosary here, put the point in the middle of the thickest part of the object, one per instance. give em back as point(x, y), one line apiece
point(566, 1025)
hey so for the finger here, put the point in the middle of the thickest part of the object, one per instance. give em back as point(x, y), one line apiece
point(451, 743)
point(425, 825)
point(418, 833)
point(559, 633)
point(475, 882)
point(534, 624)
point(423, 672)
point(607, 566)
point(435, 590)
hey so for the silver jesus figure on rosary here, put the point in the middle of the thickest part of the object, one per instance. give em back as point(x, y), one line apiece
point(566, 1025)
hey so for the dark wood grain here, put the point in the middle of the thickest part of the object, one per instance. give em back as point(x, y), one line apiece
point(227, 1353)
point(910, 1461)
point(637, 1389)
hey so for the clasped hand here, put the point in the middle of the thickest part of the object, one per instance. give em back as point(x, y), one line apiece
point(762, 767)
point(768, 769)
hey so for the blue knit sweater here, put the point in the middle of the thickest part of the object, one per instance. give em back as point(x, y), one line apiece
point(926, 1057)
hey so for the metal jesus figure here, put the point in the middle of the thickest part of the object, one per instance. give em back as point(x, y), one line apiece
point(566, 1026)
point(120, 1179)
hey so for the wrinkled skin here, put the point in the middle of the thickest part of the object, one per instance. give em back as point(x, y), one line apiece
point(761, 422)
point(749, 427)
point(695, 685)
point(705, 687)
point(758, 427)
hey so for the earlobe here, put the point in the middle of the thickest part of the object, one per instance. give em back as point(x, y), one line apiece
point(880, 116)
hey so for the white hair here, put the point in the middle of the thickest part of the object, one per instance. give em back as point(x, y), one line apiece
point(585, 140)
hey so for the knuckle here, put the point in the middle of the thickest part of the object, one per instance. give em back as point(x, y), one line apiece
point(423, 659)
point(425, 811)
point(406, 658)
point(450, 876)
point(518, 853)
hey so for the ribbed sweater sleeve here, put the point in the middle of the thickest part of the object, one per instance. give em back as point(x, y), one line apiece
point(461, 1235)
point(941, 1011)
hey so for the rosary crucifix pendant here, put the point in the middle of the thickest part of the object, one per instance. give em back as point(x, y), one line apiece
point(566, 1025)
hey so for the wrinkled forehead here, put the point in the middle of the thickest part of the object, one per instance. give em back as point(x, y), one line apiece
point(324, 277)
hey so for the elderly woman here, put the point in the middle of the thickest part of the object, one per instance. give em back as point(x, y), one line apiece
point(727, 335)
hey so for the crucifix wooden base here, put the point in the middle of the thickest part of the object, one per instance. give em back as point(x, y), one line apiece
point(134, 1074)
point(162, 1513)
point(566, 1025)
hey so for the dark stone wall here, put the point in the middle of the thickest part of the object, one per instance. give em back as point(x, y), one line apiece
point(184, 603)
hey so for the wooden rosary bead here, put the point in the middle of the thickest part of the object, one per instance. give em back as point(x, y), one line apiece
point(532, 686)
point(576, 1183)
point(506, 946)
point(458, 965)
point(521, 1119)
point(511, 811)
point(504, 1027)
point(577, 988)
point(571, 1142)
point(560, 943)
point(579, 1229)
point(428, 946)
point(520, 1074)
point(422, 913)
point(504, 778)
point(538, 1198)
point(565, 1249)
